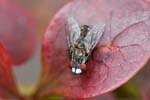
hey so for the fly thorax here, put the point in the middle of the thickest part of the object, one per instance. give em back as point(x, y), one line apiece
point(80, 52)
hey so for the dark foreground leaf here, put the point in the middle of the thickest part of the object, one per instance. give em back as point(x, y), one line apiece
point(123, 49)
point(7, 83)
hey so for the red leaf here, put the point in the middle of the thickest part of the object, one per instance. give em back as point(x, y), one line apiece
point(7, 83)
point(17, 31)
point(122, 52)
point(145, 92)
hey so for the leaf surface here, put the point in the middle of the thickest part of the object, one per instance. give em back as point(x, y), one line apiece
point(122, 51)
point(18, 32)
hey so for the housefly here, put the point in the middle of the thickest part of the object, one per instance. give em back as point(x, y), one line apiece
point(81, 41)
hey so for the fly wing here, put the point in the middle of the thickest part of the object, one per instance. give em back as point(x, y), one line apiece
point(93, 36)
point(74, 31)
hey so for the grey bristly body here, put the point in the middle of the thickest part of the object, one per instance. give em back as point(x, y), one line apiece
point(78, 51)
point(81, 42)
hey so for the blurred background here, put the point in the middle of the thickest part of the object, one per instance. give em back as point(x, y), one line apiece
point(29, 73)
point(42, 11)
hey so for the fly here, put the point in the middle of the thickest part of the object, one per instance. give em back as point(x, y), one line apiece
point(81, 42)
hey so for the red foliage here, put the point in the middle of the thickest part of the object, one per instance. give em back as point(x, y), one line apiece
point(122, 52)
point(17, 31)
point(7, 83)
point(145, 91)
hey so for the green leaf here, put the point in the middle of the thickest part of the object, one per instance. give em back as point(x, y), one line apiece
point(52, 98)
point(129, 90)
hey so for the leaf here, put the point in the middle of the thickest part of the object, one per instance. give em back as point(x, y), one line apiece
point(128, 91)
point(123, 49)
point(51, 98)
point(18, 32)
point(145, 92)
point(8, 87)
